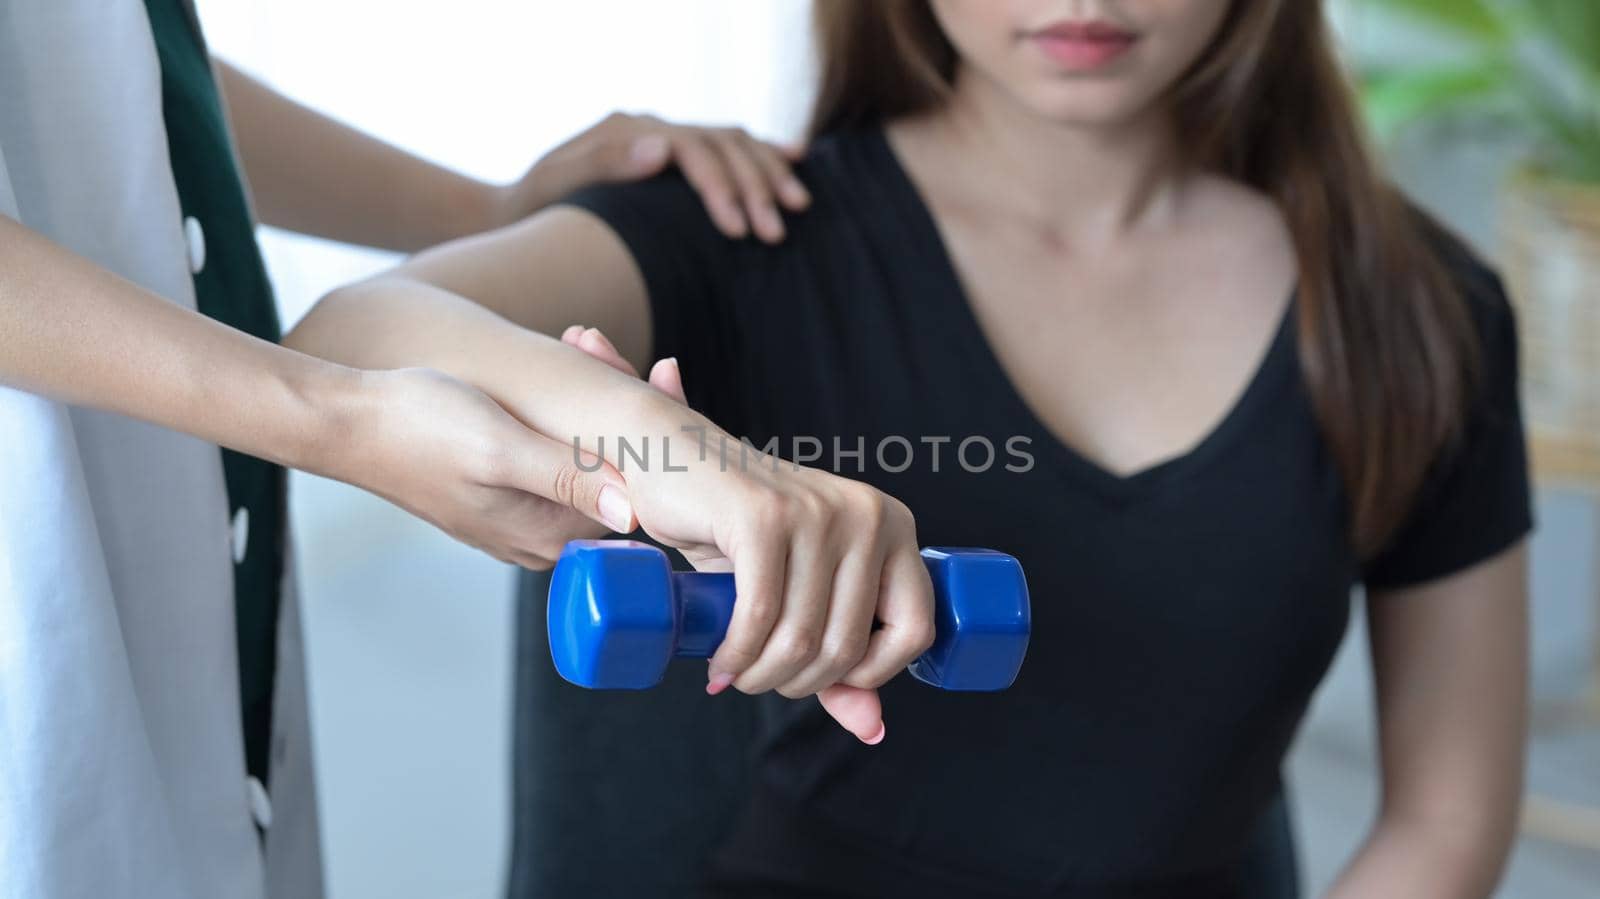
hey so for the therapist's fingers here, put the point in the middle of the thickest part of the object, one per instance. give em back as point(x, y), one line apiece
point(740, 178)
point(620, 153)
point(539, 530)
point(665, 377)
point(596, 344)
point(776, 165)
point(755, 193)
point(581, 481)
point(706, 171)
point(531, 561)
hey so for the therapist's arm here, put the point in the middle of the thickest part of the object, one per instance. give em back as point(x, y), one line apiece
point(75, 332)
point(314, 175)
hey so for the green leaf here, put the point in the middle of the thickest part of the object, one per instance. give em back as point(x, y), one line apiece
point(1573, 26)
point(1394, 99)
point(1568, 142)
point(1474, 19)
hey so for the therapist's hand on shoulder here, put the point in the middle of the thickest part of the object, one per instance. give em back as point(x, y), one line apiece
point(744, 181)
point(834, 599)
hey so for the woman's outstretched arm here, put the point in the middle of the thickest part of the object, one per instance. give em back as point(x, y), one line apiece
point(560, 267)
point(816, 558)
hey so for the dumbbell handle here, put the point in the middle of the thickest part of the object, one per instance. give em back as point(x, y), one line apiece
point(617, 614)
point(705, 600)
point(705, 606)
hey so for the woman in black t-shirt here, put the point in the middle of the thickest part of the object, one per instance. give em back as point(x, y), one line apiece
point(1125, 296)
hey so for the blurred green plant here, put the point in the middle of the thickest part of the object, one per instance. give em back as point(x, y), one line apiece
point(1531, 67)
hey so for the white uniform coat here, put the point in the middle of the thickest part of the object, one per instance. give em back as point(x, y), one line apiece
point(121, 752)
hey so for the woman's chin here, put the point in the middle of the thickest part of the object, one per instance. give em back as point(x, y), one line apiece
point(1087, 106)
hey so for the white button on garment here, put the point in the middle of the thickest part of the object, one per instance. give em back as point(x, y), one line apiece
point(195, 237)
point(260, 803)
point(240, 534)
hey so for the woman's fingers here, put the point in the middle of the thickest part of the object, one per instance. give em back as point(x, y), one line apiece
point(905, 618)
point(797, 634)
point(759, 573)
point(848, 628)
point(851, 604)
point(857, 710)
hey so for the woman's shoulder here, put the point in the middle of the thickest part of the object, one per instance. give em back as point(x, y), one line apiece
point(1229, 221)
point(845, 163)
point(1470, 273)
point(1242, 212)
point(1488, 305)
point(844, 147)
point(835, 164)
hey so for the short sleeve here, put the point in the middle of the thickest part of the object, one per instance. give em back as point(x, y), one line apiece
point(687, 265)
point(1476, 500)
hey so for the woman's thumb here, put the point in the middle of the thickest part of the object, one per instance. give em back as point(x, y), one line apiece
point(857, 711)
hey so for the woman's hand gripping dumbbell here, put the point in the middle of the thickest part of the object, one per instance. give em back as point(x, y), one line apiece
point(834, 598)
point(618, 614)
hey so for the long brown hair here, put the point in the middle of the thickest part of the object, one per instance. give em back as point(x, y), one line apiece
point(1387, 344)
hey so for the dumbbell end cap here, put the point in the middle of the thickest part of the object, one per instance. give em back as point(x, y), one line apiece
point(610, 614)
point(982, 617)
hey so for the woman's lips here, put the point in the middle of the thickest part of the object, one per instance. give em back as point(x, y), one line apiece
point(1083, 46)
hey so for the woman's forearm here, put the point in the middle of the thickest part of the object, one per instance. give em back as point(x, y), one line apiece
point(394, 321)
point(1450, 665)
point(77, 333)
point(1450, 860)
point(773, 525)
point(314, 175)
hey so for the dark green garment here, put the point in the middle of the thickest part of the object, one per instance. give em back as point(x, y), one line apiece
point(231, 287)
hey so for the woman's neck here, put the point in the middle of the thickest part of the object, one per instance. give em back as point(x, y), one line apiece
point(1088, 183)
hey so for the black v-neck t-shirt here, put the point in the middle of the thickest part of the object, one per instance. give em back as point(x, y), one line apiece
point(1182, 616)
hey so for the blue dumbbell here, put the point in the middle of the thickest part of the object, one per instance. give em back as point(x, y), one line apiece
point(619, 613)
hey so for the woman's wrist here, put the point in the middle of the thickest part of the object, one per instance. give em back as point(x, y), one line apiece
point(622, 420)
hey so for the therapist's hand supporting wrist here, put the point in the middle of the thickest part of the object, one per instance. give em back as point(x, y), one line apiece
point(447, 453)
